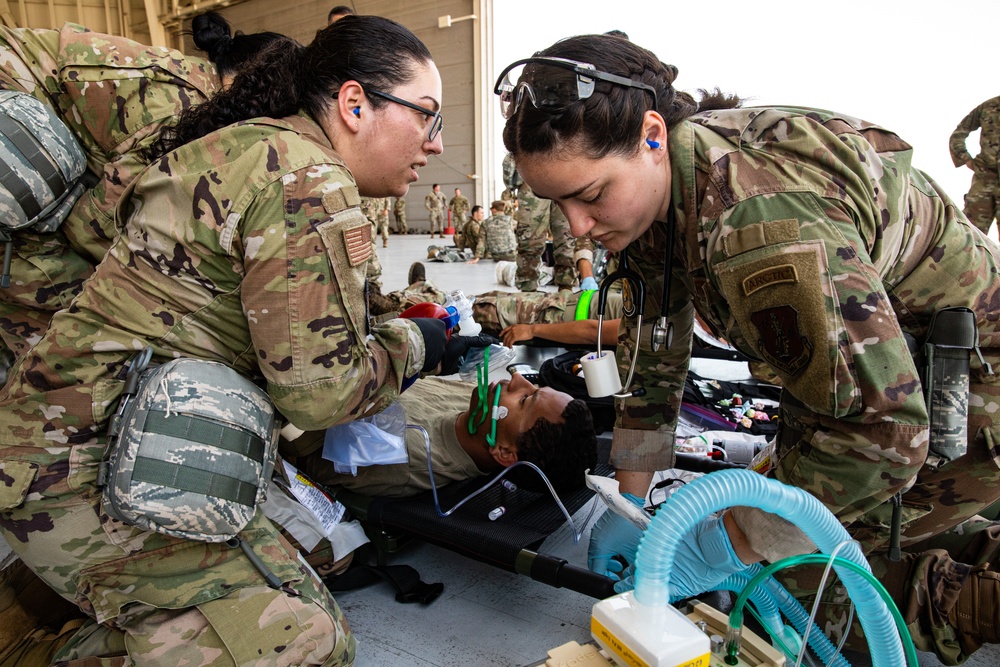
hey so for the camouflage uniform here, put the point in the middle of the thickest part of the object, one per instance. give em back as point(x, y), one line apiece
point(472, 238)
point(497, 310)
point(373, 276)
point(440, 253)
point(114, 95)
point(498, 239)
point(399, 212)
point(536, 219)
point(509, 199)
point(982, 202)
point(434, 203)
point(807, 240)
point(382, 219)
point(459, 207)
point(253, 256)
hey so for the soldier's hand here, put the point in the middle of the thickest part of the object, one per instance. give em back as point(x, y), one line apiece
point(515, 333)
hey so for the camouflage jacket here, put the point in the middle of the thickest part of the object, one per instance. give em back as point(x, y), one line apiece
point(459, 205)
point(511, 179)
point(245, 247)
point(399, 206)
point(472, 238)
point(498, 236)
point(434, 201)
point(807, 240)
point(115, 95)
point(987, 117)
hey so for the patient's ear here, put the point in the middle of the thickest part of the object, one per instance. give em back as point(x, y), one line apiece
point(504, 454)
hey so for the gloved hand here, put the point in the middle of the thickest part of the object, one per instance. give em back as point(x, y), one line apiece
point(456, 348)
point(613, 535)
point(589, 283)
point(435, 335)
point(705, 558)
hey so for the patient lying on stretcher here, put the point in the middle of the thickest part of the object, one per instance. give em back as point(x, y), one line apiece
point(502, 423)
point(563, 317)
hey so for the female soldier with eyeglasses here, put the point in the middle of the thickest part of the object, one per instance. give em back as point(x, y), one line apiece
point(242, 244)
point(806, 239)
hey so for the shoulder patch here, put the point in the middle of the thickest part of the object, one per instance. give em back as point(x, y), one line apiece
point(772, 275)
point(339, 199)
point(357, 242)
point(781, 342)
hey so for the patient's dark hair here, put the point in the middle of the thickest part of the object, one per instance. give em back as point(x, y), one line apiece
point(562, 450)
point(228, 52)
point(285, 78)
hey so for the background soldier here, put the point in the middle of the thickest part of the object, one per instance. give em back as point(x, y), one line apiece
point(472, 234)
point(382, 219)
point(497, 239)
point(434, 203)
point(399, 212)
point(459, 207)
point(981, 202)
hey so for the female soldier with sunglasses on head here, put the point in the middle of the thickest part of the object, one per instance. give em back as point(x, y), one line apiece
point(241, 244)
point(807, 240)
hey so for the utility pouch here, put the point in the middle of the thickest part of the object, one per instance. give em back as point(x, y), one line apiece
point(945, 377)
point(190, 450)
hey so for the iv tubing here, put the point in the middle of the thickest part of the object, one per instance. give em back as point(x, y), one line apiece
point(736, 615)
point(711, 493)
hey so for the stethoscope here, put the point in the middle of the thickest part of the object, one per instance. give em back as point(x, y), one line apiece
point(663, 331)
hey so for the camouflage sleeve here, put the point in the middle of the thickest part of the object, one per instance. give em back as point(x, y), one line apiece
point(480, 250)
point(306, 246)
point(644, 430)
point(583, 248)
point(956, 144)
point(805, 296)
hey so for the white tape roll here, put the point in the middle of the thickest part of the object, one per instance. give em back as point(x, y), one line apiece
point(601, 374)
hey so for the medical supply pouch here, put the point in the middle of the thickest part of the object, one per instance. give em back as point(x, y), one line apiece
point(944, 371)
point(41, 163)
point(191, 450)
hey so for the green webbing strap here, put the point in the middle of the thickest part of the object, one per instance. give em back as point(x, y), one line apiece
point(169, 474)
point(193, 428)
point(583, 305)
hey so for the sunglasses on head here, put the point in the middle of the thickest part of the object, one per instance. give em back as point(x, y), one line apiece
point(552, 84)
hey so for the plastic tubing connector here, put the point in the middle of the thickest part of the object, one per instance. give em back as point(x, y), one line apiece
point(726, 488)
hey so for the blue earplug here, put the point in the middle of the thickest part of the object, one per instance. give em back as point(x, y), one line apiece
point(653, 144)
point(357, 111)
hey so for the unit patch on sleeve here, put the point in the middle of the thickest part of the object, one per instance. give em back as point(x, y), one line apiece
point(781, 343)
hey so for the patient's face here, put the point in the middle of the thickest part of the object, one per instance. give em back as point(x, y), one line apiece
point(525, 404)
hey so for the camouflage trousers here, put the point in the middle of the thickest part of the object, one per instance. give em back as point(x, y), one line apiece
point(436, 221)
point(158, 600)
point(382, 226)
point(982, 202)
point(535, 219)
point(943, 538)
point(401, 226)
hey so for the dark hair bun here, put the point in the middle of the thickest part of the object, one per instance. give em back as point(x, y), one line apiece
point(211, 34)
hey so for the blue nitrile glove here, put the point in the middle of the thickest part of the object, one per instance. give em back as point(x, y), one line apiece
point(613, 535)
point(704, 559)
point(589, 283)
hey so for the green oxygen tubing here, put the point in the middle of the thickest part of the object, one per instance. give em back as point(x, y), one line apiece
point(726, 488)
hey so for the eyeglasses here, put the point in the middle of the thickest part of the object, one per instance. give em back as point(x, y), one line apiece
point(552, 84)
point(436, 122)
